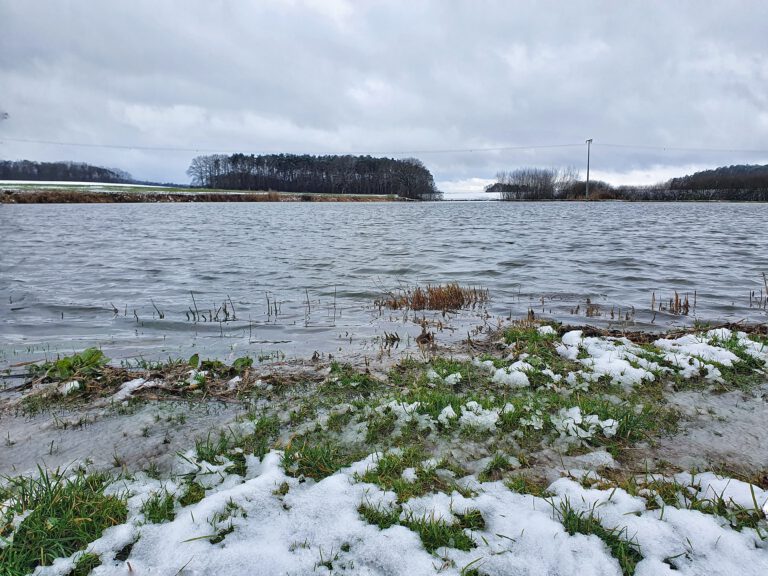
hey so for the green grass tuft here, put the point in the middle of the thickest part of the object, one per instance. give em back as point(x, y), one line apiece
point(625, 551)
point(85, 564)
point(437, 533)
point(159, 508)
point(194, 493)
point(66, 514)
point(315, 460)
point(380, 516)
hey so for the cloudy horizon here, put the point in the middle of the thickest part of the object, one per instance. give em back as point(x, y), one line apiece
point(663, 89)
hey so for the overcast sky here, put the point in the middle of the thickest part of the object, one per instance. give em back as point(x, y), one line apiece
point(416, 78)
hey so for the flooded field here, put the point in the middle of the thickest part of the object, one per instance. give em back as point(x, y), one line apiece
point(497, 430)
point(286, 280)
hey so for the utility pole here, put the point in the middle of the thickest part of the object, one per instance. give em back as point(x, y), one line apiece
point(589, 145)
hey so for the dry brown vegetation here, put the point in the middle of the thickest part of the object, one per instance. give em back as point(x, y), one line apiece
point(677, 305)
point(86, 197)
point(440, 297)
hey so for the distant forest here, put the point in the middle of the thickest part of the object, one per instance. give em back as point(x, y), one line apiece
point(60, 171)
point(407, 178)
point(743, 183)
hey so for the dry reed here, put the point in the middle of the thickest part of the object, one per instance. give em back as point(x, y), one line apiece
point(441, 297)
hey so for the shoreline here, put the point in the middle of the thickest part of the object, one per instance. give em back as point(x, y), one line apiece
point(44, 196)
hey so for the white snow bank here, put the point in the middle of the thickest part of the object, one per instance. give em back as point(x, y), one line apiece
point(690, 346)
point(315, 528)
point(446, 415)
point(514, 376)
point(612, 357)
point(571, 422)
point(475, 416)
point(710, 486)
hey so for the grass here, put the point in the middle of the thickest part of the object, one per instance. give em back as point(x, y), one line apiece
point(159, 508)
point(85, 564)
point(388, 474)
point(495, 469)
point(380, 428)
point(380, 516)
point(471, 519)
point(316, 460)
point(234, 447)
point(435, 533)
point(625, 551)
point(65, 514)
point(337, 420)
point(524, 485)
point(212, 449)
point(339, 438)
point(222, 521)
point(193, 494)
point(345, 381)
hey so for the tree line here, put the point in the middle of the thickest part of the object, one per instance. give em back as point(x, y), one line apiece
point(60, 171)
point(332, 174)
point(728, 183)
point(535, 183)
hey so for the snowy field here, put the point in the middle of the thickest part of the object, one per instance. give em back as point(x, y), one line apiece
point(541, 451)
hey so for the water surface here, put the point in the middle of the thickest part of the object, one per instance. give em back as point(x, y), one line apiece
point(78, 275)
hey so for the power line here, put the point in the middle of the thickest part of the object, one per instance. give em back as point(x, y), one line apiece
point(391, 153)
point(213, 150)
point(116, 146)
point(680, 148)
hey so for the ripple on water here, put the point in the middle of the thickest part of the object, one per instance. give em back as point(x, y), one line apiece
point(306, 276)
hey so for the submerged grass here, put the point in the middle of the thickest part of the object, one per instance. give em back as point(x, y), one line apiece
point(441, 297)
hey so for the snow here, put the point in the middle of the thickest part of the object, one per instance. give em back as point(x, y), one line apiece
point(626, 363)
point(315, 528)
point(473, 415)
point(128, 388)
point(710, 486)
point(571, 422)
point(405, 413)
point(513, 376)
point(446, 415)
point(71, 183)
point(484, 364)
point(610, 357)
point(68, 387)
point(409, 475)
point(690, 345)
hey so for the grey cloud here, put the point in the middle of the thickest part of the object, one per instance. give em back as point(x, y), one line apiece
point(342, 76)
